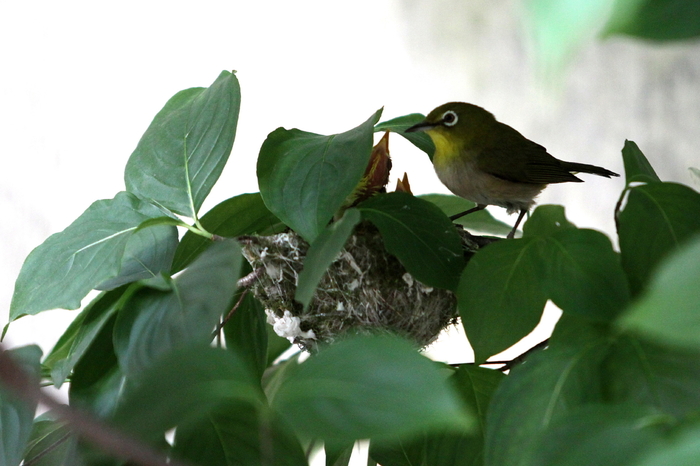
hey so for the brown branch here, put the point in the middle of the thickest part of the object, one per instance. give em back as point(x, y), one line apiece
point(230, 313)
point(109, 439)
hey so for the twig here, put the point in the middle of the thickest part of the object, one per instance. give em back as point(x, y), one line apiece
point(514, 362)
point(109, 439)
point(230, 313)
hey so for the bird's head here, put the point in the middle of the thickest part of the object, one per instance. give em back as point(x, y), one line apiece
point(454, 125)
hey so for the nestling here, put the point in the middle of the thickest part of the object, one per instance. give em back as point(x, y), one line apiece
point(490, 163)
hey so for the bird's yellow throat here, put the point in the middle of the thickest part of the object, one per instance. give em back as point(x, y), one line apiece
point(446, 148)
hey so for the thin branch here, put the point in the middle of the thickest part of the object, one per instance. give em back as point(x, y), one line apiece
point(109, 439)
point(230, 313)
point(514, 362)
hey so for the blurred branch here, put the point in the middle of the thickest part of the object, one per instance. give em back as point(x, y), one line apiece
point(109, 439)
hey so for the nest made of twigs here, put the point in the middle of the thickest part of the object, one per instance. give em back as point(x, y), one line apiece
point(365, 290)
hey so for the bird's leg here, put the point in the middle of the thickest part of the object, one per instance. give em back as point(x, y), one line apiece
point(466, 212)
point(511, 235)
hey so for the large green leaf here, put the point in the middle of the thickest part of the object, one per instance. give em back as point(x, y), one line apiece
point(499, 297)
point(305, 177)
point(656, 220)
point(637, 167)
point(681, 448)
point(183, 151)
point(239, 434)
point(245, 214)
point(182, 387)
point(321, 254)
point(549, 385)
point(505, 286)
point(99, 246)
point(400, 124)
point(599, 435)
point(154, 322)
point(16, 415)
point(669, 311)
point(369, 386)
point(661, 20)
point(419, 235)
point(481, 220)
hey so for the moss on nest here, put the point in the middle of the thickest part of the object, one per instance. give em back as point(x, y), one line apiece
point(365, 290)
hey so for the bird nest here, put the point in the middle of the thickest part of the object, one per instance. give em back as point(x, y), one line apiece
point(365, 290)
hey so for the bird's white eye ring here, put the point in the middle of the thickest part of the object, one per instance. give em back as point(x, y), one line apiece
point(449, 118)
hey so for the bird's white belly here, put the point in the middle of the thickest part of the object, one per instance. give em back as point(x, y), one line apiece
point(482, 188)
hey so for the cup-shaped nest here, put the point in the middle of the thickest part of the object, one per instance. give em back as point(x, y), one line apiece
point(365, 290)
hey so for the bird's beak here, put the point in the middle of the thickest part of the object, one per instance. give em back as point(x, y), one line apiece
point(422, 126)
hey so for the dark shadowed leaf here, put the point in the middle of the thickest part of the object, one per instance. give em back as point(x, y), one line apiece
point(100, 246)
point(419, 235)
point(370, 386)
point(537, 393)
point(245, 214)
point(183, 151)
point(305, 177)
point(238, 434)
point(80, 334)
point(599, 435)
point(321, 254)
point(656, 220)
point(184, 386)
point(338, 454)
point(246, 333)
point(154, 322)
point(400, 124)
point(16, 415)
point(681, 448)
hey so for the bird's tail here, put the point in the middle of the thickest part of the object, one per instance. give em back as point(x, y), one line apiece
point(585, 168)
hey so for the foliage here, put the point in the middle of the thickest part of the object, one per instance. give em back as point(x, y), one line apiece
point(619, 383)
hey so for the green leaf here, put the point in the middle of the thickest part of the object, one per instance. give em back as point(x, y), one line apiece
point(338, 454)
point(51, 444)
point(154, 323)
point(240, 215)
point(656, 220)
point(547, 220)
point(100, 248)
point(183, 151)
point(669, 311)
point(637, 167)
point(419, 235)
point(646, 373)
point(481, 220)
point(183, 386)
point(582, 274)
point(321, 254)
point(599, 435)
point(97, 381)
point(81, 333)
point(536, 394)
point(238, 434)
point(16, 415)
point(661, 20)
point(246, 333)
point(305, 177)
point(400, 124)
point(368, 387)
point(682, 448)
point(498, 296)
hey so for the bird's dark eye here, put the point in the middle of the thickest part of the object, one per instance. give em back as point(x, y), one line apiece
point(449, 118)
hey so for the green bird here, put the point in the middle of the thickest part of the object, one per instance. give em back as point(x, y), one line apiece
point(490, 163)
